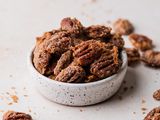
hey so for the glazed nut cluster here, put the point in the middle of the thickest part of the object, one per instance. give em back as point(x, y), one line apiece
point(77, 54)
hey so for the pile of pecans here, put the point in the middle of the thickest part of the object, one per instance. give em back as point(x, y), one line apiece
point(77, 54)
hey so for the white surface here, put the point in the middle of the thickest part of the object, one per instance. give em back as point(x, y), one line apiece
point(22, 20)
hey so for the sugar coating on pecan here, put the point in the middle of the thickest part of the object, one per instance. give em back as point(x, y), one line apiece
point(73, 26)
point(86, 52)
point(151, 58)
point(98, 31)
point(156, 95)
point(12, 115)
point(91, 78)
point(140, 41)
point(63, 62)
point(117, 40)
point(71, 74)
point(107, 65)
point(133, 55)
point(154, 114)
point(123, 26)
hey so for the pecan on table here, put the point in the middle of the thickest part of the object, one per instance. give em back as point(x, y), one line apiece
point(151, 58)
point(12, 115)
point(154, 114)
point(140, 41)
point(156, 95)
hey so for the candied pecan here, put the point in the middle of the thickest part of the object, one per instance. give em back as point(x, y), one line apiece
point(117, 40)
point(98, 31)
point(91, 78)
point(41, 59)
point(154, 114)
point(140, 41)
point(73, 26)
point(71, 74)
point(63, 62)
point(107, 65)
point(123, 27)
point(86, 52)
point(133, 55)
point(156, 95)
point(12, 115)
point(151, 58)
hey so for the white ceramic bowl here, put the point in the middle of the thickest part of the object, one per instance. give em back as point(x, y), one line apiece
point(78, 94)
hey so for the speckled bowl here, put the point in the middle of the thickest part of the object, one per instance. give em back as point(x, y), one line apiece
point(80, 94)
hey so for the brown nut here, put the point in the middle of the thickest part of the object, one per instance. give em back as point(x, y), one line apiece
point(151, 58)
point(73, 26)
point(86, 52)
point(156, 95)
point(71, 74)
point(133, 55)
point(107, 65)
point(91, 78)
point(123, 27)
point(117, 40)
point(12, 115)
point(154, 114)
point(140, 41)
point(63, 62)
point(98, 31)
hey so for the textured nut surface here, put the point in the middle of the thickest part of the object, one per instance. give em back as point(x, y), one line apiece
point(117, 40)
point(156, 95)
point(71, 74)
point(133, 55)
point(140, 41)
point(107, 65)
point(71, 25)
point(91, 78)
point(12, 115)
point(154, 114)
point(63, 62)
point(98, 31)
point(86, 52)
point(123, 26)
point(151, 58)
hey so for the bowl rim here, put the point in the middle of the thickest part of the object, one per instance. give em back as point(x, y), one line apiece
point(33, 69)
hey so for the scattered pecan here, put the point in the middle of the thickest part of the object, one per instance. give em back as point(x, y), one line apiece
point(86, 52)
point(12, 115)
point(154, 114)
point(73, 26)
point(133, 55)
point(123, 27)
point(156, 95)
point(71, 74)
point(151, 58)
point(140, 41)
point(107, 65)
point(63, 62)
point(98, 31)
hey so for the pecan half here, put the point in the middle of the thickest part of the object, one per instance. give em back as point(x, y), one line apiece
point(86, 52)
point(71, 74)
point(133, 55)
point(73, 26)
point(151, 58)
point(117, 40)
point(107, 65)
point(123, 26)
point(156, 95)
point(140, 41)
point(63, 62)
point(154, 114)
point(98, 31)
point(12, 115)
